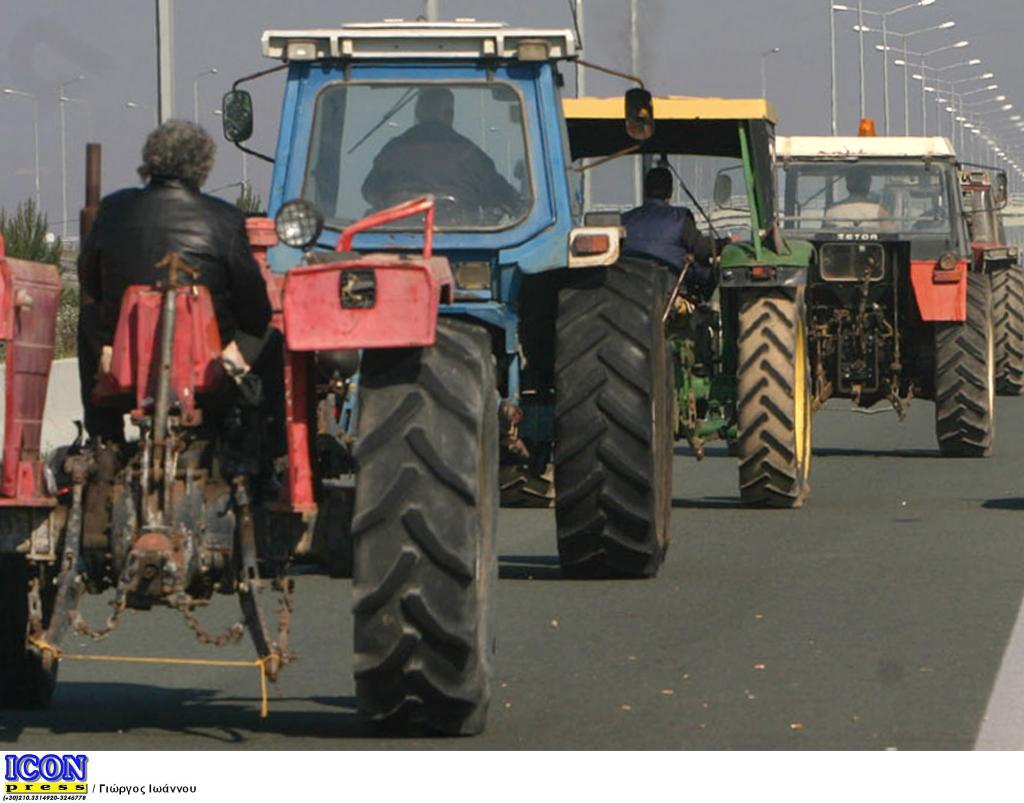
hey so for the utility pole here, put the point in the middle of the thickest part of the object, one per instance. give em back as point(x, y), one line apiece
point(832, 53)
point(431, 13)
point(860, 38)
point(581, 91)
point(885, 68)
point(165, 58)
point(634, 68)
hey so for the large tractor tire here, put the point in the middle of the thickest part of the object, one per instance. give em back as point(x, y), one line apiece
point(426, 509)
point(774, 400)
point(24, 683)
point(1008, 321)
point(613, 422)
point(965, 376)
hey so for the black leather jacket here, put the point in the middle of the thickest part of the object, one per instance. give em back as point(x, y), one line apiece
point(135, 228)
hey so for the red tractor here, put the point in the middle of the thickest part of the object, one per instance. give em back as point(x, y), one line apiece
point(175, 518)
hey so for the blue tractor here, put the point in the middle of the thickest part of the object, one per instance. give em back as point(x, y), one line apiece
point(422, 356)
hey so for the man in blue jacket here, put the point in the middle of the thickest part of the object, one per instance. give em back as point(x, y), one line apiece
point(668, 234)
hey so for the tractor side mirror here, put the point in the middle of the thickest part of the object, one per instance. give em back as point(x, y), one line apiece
point(639, 114)
point(236, 111)
point(723, 189)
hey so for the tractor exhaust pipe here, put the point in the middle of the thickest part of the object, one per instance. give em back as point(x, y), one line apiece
point(93, 171)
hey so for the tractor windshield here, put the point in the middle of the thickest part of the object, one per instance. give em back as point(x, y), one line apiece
point(908, 198)
point(378, 144)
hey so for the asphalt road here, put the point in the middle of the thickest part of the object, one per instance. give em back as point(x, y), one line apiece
point(877, 617)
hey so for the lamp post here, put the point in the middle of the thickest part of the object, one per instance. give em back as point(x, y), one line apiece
point(923, 78)
point(131, 104)
point(165, 58)
point(906, 72)
point(906, 64)
point(764, 70)
point(862, 29)
point(581, 91)
point(956, 107)
point(195, 92)
point(35, 134)
point(634, 67)
point(62, 99)
point(832, 59)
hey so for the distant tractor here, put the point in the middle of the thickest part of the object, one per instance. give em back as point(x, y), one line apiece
point(730, 367)
point(985, 196)
point(897, 307)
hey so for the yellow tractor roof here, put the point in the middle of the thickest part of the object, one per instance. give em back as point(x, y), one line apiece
point(673, 107)
point(682, 125)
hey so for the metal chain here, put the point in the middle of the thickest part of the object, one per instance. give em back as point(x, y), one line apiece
point(120, 603)
point(284, 617)
point(229, 636)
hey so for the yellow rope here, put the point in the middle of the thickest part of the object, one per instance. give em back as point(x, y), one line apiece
point(259, 663)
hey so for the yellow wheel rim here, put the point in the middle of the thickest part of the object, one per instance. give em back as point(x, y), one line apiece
point(801, 403)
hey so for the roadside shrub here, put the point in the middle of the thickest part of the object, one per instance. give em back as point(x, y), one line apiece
point(25, 234)
point(66, 342)
point(249, 200)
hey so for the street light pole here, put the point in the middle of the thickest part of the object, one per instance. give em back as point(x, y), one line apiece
point(906, 90)
point(885, 69)
point(860, 40)
point(35, 136)
point(634, 66)
point(581, 91)
point(832, 52)
point(430, 10)
point(924, 95)
point(195, 92)
point(165, 58)
point(62, 100)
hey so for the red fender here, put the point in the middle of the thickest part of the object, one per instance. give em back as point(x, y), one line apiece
point(941, 294)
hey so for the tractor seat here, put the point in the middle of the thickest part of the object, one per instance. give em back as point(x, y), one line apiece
point(196, 368)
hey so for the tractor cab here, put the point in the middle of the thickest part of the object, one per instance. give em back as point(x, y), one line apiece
point(377, 114)
point(891, 188)
point(722, 152)
point(745, 301)
point(985, 197)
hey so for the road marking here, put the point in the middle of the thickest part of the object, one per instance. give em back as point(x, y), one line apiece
point(1003, 725)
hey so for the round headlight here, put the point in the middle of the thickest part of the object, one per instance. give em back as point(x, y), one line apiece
point(947, 262)
point(298, 224)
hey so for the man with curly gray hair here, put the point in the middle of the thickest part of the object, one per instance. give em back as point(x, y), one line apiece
point(135, 228)
point(178, 149)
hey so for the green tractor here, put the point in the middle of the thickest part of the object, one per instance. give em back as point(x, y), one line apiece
point(732, 366)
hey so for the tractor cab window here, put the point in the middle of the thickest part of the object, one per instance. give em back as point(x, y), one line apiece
point(614, 187)
point(905, 198)
point(377, 144)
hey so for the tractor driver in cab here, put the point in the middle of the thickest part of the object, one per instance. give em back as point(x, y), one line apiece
point(135, 228)
point(860, 208)
point(431, 157)
point(668, 234)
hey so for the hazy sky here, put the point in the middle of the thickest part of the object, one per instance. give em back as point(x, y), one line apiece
point(696, 47)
